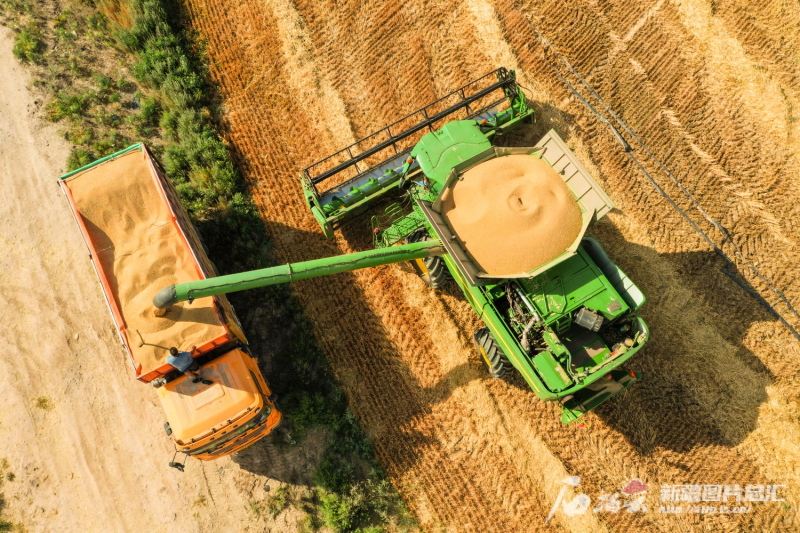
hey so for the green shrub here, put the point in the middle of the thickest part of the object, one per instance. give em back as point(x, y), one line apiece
point(67, 105)
point(111, 142)
point(80, 135)
point(124, 85)
point(311, 410)
point(77, 159)
point(150, 111)
point(333, 474)
point(165, 63)
point(104, 118)
point(28, 44)
point(386, 503)
point(339, 513)
point(17, 6)
point(169, 125)
point(145, 123)
point(62, 19)
point(350, 437)
point(176, 163)
point(255, 507)
point(97, 22)
point(75, 66)
point(278, 501)
point(309, 524)
point(362, 505)
point(104, 84)
point(66, 36)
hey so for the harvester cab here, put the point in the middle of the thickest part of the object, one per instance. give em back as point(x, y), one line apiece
point(507, 224)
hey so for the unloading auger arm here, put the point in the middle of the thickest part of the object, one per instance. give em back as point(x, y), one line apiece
point(295, 271)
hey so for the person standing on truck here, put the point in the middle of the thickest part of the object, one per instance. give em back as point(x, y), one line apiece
point(183, 362)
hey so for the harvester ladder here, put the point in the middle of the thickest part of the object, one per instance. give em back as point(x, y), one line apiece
point(398, 222)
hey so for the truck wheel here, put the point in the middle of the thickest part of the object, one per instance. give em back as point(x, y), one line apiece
point(493, 357)
point(432, 270)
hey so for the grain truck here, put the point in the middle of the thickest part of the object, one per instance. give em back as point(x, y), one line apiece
point(139, 236)
point(508, 224)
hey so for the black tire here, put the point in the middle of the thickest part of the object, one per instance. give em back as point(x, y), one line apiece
point(432, 270)
point(493, 357)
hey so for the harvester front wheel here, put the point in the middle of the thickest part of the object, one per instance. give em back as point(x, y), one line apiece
point(493, 357)
point(432, 270)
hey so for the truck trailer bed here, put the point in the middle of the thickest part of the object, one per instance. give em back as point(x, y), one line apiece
point(137, 245)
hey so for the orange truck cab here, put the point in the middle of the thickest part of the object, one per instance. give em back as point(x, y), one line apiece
point(140, 239)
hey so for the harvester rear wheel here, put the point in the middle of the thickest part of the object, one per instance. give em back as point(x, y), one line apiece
point(432, 270)
point(493, 357)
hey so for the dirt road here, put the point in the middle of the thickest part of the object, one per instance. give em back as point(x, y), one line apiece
point(708, 85)
point(83, 439)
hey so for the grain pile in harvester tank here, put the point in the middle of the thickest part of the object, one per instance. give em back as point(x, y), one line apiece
point(507, 224)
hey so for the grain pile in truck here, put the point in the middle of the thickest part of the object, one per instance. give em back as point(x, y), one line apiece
point(138, 245)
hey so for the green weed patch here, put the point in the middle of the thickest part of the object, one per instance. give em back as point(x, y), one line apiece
point(28, 44)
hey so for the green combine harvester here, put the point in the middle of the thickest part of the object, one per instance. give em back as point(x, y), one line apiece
point(568, 326)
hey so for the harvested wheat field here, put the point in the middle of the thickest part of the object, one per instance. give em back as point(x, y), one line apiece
point(712, 90)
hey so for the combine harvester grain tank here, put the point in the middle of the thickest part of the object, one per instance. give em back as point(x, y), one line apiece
point(568, 325)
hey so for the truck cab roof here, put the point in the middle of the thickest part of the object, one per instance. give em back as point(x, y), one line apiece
point(196, 412)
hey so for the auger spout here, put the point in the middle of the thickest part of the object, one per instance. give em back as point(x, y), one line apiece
point(173, 294)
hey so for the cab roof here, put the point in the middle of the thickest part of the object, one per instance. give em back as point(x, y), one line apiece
point(440, 151)
point(193, 409)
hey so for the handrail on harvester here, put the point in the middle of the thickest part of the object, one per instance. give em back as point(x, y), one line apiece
point(294, 272)
point(506, 81)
